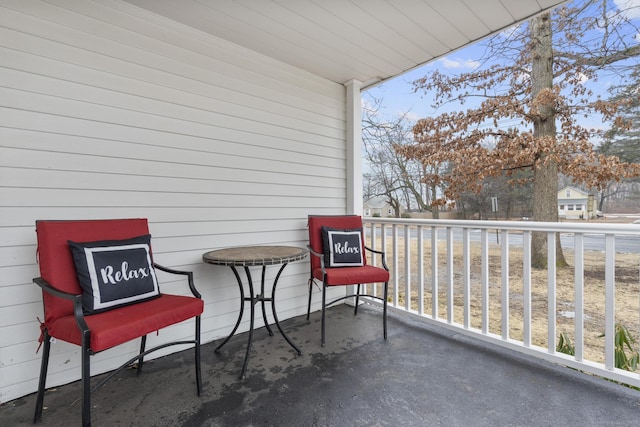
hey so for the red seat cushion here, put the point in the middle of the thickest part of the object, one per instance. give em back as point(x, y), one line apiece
point(118, 326)
point(352, 275)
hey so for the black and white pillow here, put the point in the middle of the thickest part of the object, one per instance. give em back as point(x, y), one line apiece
point(342, 247)
point(113, 273)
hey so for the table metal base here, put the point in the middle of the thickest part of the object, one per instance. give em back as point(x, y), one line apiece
point(254, 299)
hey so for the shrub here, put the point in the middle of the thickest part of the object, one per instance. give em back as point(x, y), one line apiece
point(565, 346)
point(624, 343)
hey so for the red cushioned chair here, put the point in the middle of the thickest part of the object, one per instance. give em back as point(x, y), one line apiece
point(341, 274)
point(65, 314)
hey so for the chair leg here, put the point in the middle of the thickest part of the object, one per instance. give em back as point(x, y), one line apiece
point(143, 344)
point(86, 382)
point(197, 356)
point(309, 303)
point(324, 309)
point(43, 376)
point(355, 310)
point(384, 310)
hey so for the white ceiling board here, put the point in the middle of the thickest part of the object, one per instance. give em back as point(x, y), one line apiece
point(516, 7)
point(493, 14)
point(342, 40)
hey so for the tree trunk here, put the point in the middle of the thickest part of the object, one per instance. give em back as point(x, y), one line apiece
point(545, 184)
point(435, 210)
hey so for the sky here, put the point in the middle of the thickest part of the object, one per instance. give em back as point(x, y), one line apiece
point(398, 96)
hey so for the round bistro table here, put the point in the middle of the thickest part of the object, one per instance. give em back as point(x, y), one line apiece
point(250, 256)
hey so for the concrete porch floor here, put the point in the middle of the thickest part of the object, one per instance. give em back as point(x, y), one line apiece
point(421, 376)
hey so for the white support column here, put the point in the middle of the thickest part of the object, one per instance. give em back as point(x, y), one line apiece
point(354, 157)
point(354, 147)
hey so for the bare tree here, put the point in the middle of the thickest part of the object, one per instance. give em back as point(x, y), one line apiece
point(391, 175)
point(531, 97)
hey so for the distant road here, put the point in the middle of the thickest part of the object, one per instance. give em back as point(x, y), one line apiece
point(592, 242)
point(624, 244)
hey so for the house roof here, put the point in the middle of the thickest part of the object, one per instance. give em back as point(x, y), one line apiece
point(376, 202)
point(573, 189)
point(367, 40)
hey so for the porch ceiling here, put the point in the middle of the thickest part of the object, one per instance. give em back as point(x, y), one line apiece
point(366, 40)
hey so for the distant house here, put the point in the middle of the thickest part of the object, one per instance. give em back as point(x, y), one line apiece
point(574, 203)
point(378, 207)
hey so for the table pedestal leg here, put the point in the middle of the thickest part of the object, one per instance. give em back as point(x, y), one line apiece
point(263, 300)
point(235, 328)
point(251, 323)
point(275, 316)
point(254, 299)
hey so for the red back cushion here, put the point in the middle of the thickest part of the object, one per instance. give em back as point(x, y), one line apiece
point(56, 261)
point(340, 221)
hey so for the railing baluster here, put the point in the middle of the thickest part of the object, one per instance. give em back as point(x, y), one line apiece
point(526, 288)
point(551, 291)
point(579, 296)
point(609, 300)
point(383, 237)
point(434, 272)
point(466, 281)
point(420, 266)
point(373, 244)
point(372, 240)
point(383, 241)
point(396, 267)
point(485, 281)
point(504, 254)
point(407, 268)
point(449, 275)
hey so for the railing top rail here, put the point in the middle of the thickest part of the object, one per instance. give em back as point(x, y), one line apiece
point(566, 227)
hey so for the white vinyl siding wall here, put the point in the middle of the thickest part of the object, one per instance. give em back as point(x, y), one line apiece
point(108, 111)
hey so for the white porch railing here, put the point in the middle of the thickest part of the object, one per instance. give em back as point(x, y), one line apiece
point(475, 278)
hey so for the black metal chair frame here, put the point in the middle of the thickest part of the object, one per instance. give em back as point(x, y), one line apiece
point(357, 295)
point(87, 352)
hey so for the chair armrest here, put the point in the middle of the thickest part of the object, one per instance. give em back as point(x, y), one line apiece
point(189, 275)
point(317, 254)
point(76, 298)
point(375, 251)
point(383, 256)
point(56, 292)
